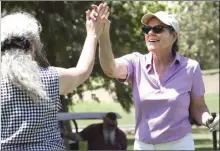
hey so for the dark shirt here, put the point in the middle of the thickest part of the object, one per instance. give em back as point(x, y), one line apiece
point(94, 135)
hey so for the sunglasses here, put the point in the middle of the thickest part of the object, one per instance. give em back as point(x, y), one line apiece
point(156, 29)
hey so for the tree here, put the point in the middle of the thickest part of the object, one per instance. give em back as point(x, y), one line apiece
point(64, 34)
point(199, 23)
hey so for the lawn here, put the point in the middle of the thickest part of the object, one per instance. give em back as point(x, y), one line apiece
point(203, 138)
point(212, 101)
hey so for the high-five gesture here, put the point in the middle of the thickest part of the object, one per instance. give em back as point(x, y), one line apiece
point(101, 12)
point(93, 27)
point(161, 32)
point(73, 77)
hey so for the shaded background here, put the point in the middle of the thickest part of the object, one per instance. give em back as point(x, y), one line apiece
point(64, 33)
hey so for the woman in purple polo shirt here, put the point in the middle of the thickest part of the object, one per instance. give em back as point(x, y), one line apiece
point(165, 85)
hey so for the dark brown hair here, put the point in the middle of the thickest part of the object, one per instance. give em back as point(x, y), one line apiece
point(175, 47)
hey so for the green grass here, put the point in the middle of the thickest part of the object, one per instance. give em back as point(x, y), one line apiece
point(202, 137)
point(210, 71)
point(127, 118)
point(212, 101)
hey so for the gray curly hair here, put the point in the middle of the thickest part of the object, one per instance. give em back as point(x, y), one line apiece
point(21, 66)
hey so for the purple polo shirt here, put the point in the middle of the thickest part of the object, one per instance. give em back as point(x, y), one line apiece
point(162, 106)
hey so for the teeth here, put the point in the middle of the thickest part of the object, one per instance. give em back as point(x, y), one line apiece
point(153, 40)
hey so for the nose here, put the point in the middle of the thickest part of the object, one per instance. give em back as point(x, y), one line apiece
point(151, 32)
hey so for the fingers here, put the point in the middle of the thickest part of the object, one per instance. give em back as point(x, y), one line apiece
point(94, 6)
point(213, 129)
point(93, 15)
point(100, 11)
point(103, 10)
point(105, 13)
point(215, 122)
point(106, 20)
point(99, 7)
point(88, 14)
point(95, 11)
point(214, 125)
point(209, 120)
point(105, 4)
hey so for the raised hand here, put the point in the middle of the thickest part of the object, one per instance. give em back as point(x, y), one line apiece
point(100, 11)
point(93, 27)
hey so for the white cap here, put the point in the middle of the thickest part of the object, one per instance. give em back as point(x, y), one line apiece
point(166, 18)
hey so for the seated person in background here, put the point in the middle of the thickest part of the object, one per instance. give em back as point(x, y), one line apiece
point(102, 136)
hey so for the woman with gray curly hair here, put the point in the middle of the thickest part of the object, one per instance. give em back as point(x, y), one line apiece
point(30, 87)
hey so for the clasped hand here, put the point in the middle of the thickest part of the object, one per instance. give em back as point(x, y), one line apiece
point(213, 125)
point(97, 19)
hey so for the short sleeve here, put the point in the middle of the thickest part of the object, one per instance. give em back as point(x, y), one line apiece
point(198, 88)
point(130, 61)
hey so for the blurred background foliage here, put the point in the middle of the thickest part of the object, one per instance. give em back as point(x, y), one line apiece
point(64, 33)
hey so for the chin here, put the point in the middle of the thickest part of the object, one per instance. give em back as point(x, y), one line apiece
point(152, 49)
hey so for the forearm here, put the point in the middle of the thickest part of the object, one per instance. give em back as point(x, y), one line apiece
point(106, 56)
point(200, 114)
point(87, 57)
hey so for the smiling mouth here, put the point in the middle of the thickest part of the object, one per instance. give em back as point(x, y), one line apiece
point(153, 40)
